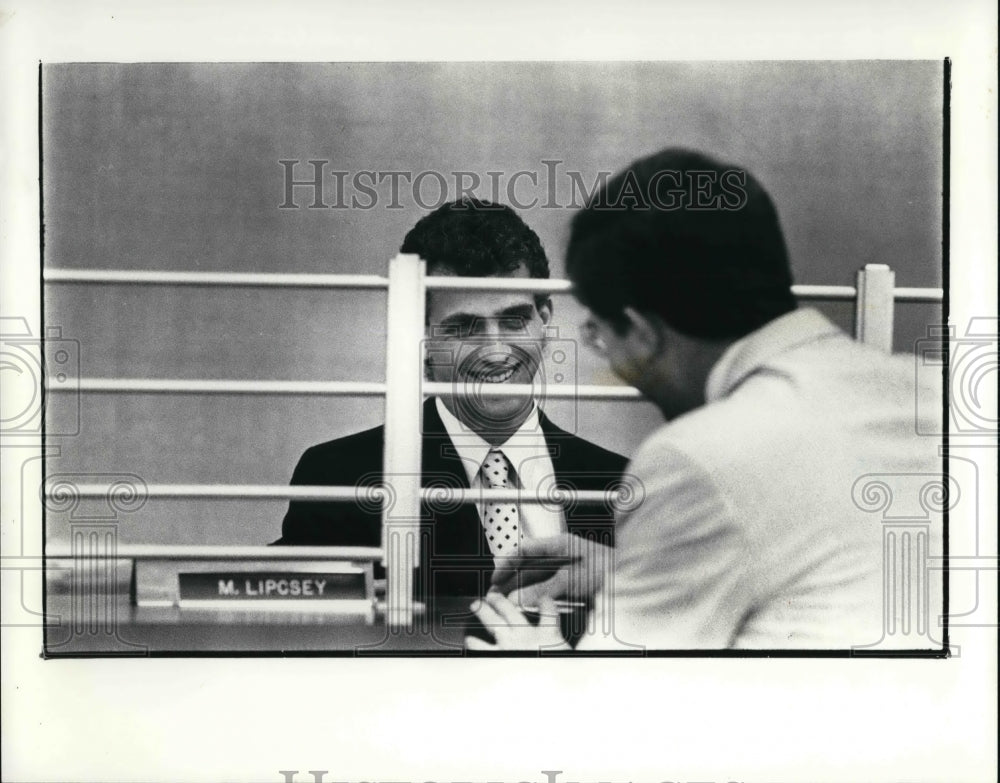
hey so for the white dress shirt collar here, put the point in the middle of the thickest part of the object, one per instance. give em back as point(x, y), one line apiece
point(524, 446)
point(528, 452)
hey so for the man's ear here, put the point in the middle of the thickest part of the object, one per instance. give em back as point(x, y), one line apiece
point(545, 310)
point(645, 330)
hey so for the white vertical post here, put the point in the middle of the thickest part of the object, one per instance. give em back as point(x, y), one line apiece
point(403, 427)
point(873, 316)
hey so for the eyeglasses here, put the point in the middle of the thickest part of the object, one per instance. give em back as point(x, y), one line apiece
point(591, 334)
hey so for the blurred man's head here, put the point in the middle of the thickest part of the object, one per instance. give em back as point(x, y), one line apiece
point(677, 257)
point(479, 339)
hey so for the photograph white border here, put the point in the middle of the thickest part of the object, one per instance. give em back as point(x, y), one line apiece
point(420, 720)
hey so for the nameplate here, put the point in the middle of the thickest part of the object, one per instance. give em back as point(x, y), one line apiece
point(337, 586)
point(267, 585)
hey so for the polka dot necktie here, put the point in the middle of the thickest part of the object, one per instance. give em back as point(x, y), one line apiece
point(500, 520)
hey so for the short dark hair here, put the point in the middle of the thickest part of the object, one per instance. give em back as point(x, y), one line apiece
point(709, 260)
point(475, 238)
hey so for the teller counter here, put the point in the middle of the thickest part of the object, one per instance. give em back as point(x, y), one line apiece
point(120, 606)
point(118, 627)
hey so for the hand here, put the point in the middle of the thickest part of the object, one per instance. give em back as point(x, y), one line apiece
point(577, 576)
point(512, 630)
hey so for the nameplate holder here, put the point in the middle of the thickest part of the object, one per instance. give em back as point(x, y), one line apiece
point(327, 586)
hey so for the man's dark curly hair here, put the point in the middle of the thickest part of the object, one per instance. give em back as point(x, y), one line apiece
point(475, 238)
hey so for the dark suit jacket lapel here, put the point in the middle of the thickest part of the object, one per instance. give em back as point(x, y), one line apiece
point(456, 546)
point(575, 470)
point(457, 527)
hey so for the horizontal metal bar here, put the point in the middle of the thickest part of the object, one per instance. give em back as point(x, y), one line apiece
point(300, 280)
point(332, 388)
point(184, 386)
point(369, 495)
point(213, 552)
point(232, 279)
point(535, 285)
point(918, 294)
point(543, 392)
point(60, 492)
point(444, 496)
point(832, 293)
point(824, 292)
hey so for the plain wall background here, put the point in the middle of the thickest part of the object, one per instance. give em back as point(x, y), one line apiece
point(176, 167)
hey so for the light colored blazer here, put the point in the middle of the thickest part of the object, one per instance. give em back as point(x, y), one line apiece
point(751, 533)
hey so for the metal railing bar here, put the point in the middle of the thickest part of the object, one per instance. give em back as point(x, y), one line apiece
point(918, 294)
point(874, 312)
point(824, 292)
point(216, 386)
point(307, 280)
point(544, 392)
point(216, 552)
point(62, 494)
point(234, 279)
point(533, 285)
point(331, 388)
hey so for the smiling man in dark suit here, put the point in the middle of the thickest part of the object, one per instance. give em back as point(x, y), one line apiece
point(474, 339)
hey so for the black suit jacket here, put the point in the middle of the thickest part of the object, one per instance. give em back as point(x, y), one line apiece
point(455, 557)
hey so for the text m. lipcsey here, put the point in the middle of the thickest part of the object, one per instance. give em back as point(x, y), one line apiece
point(269, 587)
